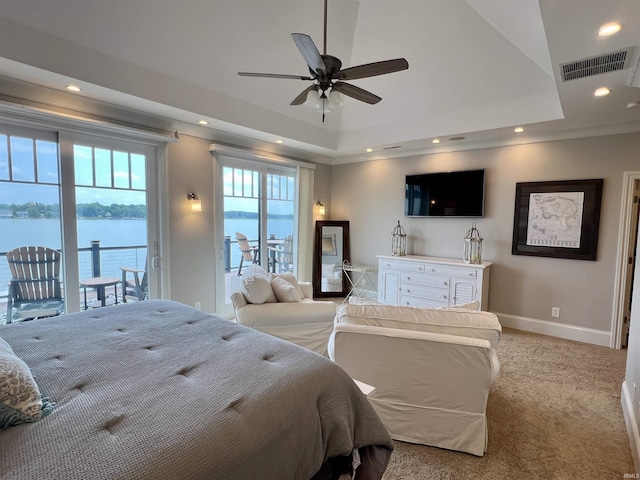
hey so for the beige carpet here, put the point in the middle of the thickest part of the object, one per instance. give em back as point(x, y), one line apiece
point(554, 413)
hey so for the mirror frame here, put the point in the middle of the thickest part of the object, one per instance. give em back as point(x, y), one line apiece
point(317, 257)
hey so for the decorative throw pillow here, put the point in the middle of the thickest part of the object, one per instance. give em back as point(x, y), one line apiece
point(256, 286)
point(291, 278)
point(285, 292)
point(20, 400)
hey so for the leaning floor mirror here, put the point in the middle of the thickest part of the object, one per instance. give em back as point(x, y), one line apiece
point(331, 249)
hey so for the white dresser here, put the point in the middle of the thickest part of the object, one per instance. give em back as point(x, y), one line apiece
point(432, 281)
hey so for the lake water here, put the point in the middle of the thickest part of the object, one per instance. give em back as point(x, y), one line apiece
point(111, 233)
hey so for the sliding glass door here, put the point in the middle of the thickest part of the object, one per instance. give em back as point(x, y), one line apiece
point(112, 217)
point(93, 199)
point(259, 204)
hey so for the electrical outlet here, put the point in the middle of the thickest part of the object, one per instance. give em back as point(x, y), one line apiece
point(198, 306)
point(555, 312)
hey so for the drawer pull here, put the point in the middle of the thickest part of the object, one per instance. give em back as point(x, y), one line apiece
point(408, 278)
point(445, 283)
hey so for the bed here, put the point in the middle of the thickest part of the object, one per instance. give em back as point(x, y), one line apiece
point(159, 390)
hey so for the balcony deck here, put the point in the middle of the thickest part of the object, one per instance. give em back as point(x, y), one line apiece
point(92, 295)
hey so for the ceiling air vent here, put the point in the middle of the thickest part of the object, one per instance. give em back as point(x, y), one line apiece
point(391, 148)
point(608, 62)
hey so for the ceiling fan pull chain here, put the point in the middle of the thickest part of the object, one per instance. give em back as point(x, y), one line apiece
point(325, 28)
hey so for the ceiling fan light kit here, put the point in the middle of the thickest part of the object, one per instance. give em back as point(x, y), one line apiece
point(327, 75)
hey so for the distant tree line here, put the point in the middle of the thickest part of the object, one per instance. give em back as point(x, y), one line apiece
point(115, 210)
point(83, 210)
point(254, 215)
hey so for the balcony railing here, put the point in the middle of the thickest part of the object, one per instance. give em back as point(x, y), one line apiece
point(96, 261)
point(93, 261)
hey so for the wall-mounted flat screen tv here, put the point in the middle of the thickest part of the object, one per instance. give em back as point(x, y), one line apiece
point(445, 194)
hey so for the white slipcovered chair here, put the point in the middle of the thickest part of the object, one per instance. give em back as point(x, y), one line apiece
point(431, 369)
point(281, 306)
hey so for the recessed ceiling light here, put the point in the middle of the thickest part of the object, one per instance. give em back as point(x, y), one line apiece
point(203, 122)
point(518, 129)
point(280, 141)
point(609, 29)
point(369, 150)
point(435, 140)
point(602, 91)
point(73, 88)
point(633, 104)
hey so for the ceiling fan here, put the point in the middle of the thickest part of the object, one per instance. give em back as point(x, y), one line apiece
point(327, 74)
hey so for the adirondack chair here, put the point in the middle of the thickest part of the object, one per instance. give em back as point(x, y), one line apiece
point(285, 255)
point(34, 288)
point(250, 253)
point(134, 284)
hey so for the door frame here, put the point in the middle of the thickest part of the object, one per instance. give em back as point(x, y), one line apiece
point(627, 223)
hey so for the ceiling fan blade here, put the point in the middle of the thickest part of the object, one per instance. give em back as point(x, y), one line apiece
point(309, 52)
point(356, 92)
point(300, 99)
point(372, 69)
point(273, 75)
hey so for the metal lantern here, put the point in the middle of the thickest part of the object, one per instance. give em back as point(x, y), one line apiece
point(473, 246)
point(398, 241)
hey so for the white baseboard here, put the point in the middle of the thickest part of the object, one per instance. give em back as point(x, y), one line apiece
point(568, 332)
point(632, 425)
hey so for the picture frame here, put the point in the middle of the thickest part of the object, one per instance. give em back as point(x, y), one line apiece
point(558, 219)
point(329, 244)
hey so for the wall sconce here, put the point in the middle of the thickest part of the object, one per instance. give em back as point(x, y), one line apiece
point(196, 204)
point(321, 210)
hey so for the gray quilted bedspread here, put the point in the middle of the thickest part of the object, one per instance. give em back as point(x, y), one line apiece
point(158, 390)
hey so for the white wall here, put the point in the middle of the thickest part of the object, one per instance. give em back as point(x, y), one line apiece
point(523, 289)
point(191, 234)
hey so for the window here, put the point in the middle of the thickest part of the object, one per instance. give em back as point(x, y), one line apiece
point(259, 201)
point(101, 191)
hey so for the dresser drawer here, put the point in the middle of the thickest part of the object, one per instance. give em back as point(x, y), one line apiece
point(404, 265)
point(451, 271)
point(440, 294)
point(422, 302)
point(437, 281)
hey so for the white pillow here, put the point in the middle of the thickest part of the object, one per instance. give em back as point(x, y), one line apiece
point(256, 286)
point(285, 292)
point(462, 322)
point(291, 278)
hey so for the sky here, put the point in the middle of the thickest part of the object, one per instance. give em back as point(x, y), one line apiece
point(110, 176)
point(119, 177)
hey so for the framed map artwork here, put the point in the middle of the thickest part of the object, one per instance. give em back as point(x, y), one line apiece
point(557, 219)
